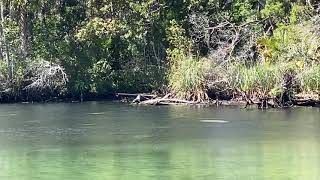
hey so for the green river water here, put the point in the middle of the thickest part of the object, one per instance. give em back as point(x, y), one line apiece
point(112, 141)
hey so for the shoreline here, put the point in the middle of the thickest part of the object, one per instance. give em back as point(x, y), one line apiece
point(154, 101)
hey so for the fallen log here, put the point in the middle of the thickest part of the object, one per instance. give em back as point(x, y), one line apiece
point(306, 102)
point(306, 97)
point(165, 101)
point(139, 98)
point(135, 95)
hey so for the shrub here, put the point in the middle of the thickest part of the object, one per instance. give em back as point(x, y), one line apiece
point(293, 42)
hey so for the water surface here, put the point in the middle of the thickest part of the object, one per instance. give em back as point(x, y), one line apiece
point(110, 141)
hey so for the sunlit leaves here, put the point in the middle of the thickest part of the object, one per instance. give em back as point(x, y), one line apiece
point(98, 27)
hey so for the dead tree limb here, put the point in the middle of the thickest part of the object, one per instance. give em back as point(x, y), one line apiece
point(166, 102)
point(46, 75)
point(135, 95)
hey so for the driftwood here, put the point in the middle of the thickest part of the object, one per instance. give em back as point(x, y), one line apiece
point(306, 102)
point(135, 95)
point(155, 100)
point(149, 99)
point(138, 97)
point(164, 101)
point(312, 100)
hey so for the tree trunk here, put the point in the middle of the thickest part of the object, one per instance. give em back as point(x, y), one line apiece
point(24, 31)
point(2, 49)
point(4, 44)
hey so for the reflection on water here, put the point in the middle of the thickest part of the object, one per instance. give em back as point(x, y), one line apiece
point(114, 141)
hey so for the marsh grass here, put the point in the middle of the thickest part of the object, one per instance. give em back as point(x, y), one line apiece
point(191, 78)
point(310, 80)
point(263, 80)
point(187, 79)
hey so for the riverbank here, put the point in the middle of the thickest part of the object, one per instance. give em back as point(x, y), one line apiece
point(148, 99)
point(45, 98)
point(168, 99)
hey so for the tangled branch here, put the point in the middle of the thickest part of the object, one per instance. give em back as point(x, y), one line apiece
point(224, 40)
point(46, 75)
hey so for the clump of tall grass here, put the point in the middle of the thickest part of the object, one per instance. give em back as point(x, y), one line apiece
point(187, 78)
point(221, 77)
point(310, 80)
point(187, 73)
point(261, 80)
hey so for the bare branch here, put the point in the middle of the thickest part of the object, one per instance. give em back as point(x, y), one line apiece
point(46, 75)
point(225, 41)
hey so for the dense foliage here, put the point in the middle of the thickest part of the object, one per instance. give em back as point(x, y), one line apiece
point(192, 48)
